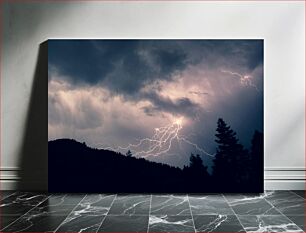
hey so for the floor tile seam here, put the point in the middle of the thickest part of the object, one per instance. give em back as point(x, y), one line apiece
point(127, 214)
point(297, 194)
point(275, 206)
point(283, 214)
point(267, 197)
point(69, 213)
point(107, 213)
point(25, 213)
point(149, 213)
point(7, 196)
point(263, 215)
point(216, 214)
point(191, 214)
point(235, 214)
point(62, 205)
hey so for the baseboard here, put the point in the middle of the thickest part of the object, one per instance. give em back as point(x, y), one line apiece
point(9, 178)
point(284, 178)
point(284, 184)
point(276, 178)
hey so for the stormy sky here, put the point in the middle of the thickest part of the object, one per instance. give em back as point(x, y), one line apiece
point(112, 93)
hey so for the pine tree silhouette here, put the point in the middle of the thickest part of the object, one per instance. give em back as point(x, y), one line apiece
point(229, 163)
point(128, 153)
point(196, 166)
point(256, 160)
point(196, 172)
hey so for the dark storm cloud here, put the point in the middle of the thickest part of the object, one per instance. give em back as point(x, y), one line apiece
point(124, 66)
point(181, 106)
point(226, 53)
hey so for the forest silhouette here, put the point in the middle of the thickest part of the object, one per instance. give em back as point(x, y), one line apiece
point(75, 167)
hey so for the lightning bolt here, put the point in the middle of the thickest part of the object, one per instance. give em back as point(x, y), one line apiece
point(161, 142)
point(245, 80)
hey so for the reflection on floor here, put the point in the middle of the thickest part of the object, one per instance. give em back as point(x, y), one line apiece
point(273, 211)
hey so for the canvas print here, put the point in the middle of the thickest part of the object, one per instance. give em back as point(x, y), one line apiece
point(155, 116)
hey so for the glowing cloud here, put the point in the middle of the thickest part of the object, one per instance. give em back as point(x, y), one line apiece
point(161, 142)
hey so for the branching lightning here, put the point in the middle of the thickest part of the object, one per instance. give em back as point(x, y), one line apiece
point(161, 142)
point(245, 80)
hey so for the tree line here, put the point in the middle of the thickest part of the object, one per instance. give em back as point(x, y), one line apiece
point(233, 165)
point(75, 167)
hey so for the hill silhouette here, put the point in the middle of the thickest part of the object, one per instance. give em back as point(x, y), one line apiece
point(75, 167)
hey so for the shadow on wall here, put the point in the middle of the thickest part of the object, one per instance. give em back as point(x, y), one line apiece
point(34, 151)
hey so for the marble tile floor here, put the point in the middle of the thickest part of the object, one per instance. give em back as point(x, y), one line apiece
point(273, 211)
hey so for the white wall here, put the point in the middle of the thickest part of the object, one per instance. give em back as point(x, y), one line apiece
point(280, 24)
